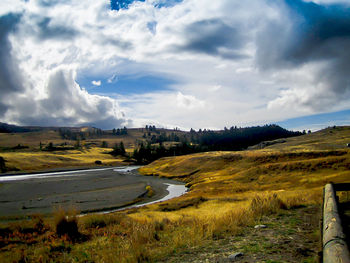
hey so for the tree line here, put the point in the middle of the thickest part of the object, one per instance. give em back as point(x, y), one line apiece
point(70, 134)
point(233, 139)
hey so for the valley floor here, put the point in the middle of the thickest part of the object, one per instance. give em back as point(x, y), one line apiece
point(230, 193)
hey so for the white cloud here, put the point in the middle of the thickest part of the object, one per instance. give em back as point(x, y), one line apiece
point(188, 102)
point(96, 82)
point(65, 104)
point(228, 61)
point(11, 6)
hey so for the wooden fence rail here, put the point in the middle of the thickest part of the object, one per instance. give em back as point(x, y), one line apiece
point(335, 248)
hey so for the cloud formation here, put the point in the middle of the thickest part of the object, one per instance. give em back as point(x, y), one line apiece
point(213, 37)
point(10, 77)
point(96, 82)
point(317, 37)
point(221, 63)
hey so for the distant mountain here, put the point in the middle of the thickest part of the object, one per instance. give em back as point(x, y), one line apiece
point(10, 128)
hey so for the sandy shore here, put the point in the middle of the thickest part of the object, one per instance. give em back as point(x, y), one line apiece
point(95, 190)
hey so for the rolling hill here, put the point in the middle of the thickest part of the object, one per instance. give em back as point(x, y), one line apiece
point(26, 149)
point(262, 203)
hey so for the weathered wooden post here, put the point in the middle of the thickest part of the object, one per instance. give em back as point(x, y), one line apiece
point(335, 248)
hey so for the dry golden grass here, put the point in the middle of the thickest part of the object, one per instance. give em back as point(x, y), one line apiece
point(228, 192)
point(33, 139)
point(33, 159)
point(40, 160)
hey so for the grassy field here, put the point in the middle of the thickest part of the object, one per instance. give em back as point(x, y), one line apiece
point(29, 161)
point(33, 139)
point(230, 193)
point(30, 156)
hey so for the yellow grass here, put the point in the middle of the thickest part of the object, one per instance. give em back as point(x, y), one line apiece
point(228, 192)
point(31, 161)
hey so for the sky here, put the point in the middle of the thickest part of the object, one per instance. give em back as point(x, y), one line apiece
point(175, 63)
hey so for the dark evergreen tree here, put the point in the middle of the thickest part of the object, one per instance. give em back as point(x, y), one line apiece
point(3, 168)
point(122, 148)
point(77, 144)
point(118, 149)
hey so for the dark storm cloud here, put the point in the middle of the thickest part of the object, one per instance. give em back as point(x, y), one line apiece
point(320, 28)
point(47, 30)
point(10, 77)
point(317, 33)
point(310, 33)
point(213, 37)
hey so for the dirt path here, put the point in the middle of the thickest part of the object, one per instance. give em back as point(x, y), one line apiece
point(291, 236)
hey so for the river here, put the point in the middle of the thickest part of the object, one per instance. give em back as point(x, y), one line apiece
point(93, 190)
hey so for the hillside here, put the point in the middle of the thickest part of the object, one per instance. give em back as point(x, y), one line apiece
point(45, 135)
point(230, 194)
point(305, 162)
point(26, 149)
point(332, 138)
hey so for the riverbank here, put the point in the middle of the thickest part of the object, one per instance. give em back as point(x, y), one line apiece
point(86, 191)
point(29, 160)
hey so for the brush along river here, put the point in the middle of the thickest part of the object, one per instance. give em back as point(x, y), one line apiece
point(94, 190)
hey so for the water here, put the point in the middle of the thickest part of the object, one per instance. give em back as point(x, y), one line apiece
point(88, 189)
point(174, 190)
point(9, 178)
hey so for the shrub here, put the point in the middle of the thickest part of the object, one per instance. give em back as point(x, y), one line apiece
point(2, 165)
point(39, 225)
point(104, 144)
point(150, 191)
point(66, 225)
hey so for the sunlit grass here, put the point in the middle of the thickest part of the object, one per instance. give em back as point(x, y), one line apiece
point(229, 191)
point(31, 161)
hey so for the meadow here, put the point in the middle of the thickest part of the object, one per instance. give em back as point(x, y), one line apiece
point(230, 192)
point(27, 151)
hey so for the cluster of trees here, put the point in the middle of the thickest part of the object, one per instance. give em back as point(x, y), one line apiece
point(235, 139)
point(70, 134)
point(144, 154)
point(123, 131)
point(50, 147)
point(162, 137)
point(232, 139)
point(118, 149)
point(150, 128)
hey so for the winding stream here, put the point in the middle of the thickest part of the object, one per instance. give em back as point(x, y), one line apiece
point(93, 190)
point(173, 191)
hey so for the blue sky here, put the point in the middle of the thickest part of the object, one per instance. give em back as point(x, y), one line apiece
point(173, 63)
point(125, 85)
point(317, 121)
